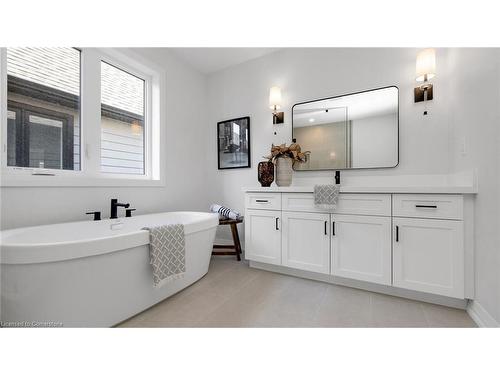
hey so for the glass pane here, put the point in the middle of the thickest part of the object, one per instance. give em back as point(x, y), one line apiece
point(43, 107)
point(122, 121)
point(45, 140)
point(11, 138)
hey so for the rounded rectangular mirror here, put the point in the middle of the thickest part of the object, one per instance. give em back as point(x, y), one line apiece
point(354, 131)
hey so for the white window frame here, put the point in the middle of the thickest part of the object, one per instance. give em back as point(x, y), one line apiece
point(90, 125)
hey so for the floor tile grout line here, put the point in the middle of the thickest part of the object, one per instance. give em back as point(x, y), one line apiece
point(426, 318)
point(370, 306)
point(320, 304)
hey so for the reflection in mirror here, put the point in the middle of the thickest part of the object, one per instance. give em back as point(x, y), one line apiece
point(348, 132)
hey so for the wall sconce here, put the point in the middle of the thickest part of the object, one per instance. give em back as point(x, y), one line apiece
point(426, 70)
point(275, 104)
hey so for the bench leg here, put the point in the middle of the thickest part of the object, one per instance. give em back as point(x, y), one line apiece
point(236, 240)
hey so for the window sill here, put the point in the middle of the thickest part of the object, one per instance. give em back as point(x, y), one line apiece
point(10, 180)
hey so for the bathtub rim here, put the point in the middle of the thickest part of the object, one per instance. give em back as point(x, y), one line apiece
point(33, 253)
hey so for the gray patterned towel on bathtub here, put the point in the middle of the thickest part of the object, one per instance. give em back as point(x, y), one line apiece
point(167, 252)
point(326, 196)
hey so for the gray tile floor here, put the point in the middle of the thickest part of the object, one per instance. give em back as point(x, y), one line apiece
point(234, 295)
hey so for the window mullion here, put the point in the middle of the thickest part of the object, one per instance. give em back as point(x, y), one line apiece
point(91, 111)
point(3, 106)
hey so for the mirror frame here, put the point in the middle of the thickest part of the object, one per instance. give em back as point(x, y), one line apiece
point(339, 96)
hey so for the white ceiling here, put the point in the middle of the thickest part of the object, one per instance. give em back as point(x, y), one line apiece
point(210, 60)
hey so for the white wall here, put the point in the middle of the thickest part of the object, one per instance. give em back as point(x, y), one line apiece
point(465, 106)
point(306, 74)
point(475, 122)
point(186, 140)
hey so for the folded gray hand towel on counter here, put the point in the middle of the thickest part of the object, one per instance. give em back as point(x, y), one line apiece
point(326, 196)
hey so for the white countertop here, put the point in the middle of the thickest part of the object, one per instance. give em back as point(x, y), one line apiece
point(370, 189)
point(459, 183)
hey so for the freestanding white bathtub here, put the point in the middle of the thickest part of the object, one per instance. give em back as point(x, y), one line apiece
point(86, 274)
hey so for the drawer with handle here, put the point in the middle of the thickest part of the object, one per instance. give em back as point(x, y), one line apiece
point(263, 201)
point(354, 204)
point(434, 206)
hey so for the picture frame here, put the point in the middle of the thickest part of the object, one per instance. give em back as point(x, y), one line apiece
point(233, 143)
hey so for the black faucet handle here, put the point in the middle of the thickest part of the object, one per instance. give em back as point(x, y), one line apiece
point(97, 215)
point(128, 212)
point(337, 177)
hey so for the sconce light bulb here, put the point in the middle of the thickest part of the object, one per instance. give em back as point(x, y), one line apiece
point(426, 65)
point(275, 98)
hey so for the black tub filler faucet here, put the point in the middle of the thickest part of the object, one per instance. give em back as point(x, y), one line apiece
point(114, 208)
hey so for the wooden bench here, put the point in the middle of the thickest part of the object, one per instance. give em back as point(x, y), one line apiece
point(236, 239)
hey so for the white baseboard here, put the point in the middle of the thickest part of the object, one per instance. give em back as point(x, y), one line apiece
point(482, 318)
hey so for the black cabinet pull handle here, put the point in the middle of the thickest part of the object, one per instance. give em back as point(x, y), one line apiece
point(97, 215)
point(333, 228)
point(326, 223)
point(261, 201)
point(397, 233)
point(277, 220)
point(425, 206)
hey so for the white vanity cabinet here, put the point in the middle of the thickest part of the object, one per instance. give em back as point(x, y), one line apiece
point(429, 253)
point(414, 242)
point(306, 241)
point(354, 243)
point(361, 248)
point(263, 236)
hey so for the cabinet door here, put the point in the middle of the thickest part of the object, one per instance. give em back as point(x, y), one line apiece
point(306, 241)
point(429, 256)
point(263, 236)
point(361, 248)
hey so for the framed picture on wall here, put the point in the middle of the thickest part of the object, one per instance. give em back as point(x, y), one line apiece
point(233, 143)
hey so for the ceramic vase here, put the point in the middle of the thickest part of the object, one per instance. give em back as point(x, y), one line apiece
point(284, 171)
point(265, 173)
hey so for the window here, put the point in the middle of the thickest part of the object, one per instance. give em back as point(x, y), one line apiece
point(122, 121)
point(43, 104)
point(89, 116)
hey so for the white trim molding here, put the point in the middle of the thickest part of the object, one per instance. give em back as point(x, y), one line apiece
point(482, 318)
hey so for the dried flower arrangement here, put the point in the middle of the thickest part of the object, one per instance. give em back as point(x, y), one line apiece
point(283, 151)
